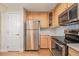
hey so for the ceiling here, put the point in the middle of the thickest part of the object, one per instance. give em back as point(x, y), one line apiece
point(42, 7)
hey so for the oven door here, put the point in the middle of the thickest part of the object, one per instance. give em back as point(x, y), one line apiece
point(59, 49)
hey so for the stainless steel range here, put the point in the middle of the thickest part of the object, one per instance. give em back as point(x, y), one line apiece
point(72, 36)
point(61, 48)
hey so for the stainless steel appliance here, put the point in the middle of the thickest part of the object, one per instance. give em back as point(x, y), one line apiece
point(32, 35)
point(59, 46)
point(72, 36)
point(63, 18)
point(73, 12)
point(70, 16)
point(59, 49)
point(60, 42)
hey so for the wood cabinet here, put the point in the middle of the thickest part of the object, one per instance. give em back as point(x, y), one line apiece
point(52, 43)
point(44, 20)
point(49, 42)
point(42, 16)
point(70, 4)
point(33, 16)
point(44, 42)
point(72, 52)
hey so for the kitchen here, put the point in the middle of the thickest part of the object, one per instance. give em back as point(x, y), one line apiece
point(49, 29)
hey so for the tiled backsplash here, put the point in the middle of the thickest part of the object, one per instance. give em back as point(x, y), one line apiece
point(58, 31)
point(45, 31)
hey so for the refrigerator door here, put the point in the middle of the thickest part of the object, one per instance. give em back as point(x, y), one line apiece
point(35, 39)
point(32, 35)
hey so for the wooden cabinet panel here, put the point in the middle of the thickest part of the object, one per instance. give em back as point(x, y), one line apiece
point(52, 43)
point(49, 43)
point(33, 16)
point(44, 42)
point(72, 52)
point(44, 20)
point(42, 16)
point(70, 4)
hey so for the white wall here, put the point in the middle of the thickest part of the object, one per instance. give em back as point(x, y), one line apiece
point(60, 30)
point(2, 11)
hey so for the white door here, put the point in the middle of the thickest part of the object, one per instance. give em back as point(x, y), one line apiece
point(13, 31)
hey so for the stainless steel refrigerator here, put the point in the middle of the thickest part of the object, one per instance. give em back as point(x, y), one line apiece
point(32, 35)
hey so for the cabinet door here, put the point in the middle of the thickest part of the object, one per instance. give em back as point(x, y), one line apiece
point(52, 43)
point(43, 42)
point(44, 20)
point(70, 4)
point(49, 42)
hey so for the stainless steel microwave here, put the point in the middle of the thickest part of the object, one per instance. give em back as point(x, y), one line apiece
point(73, 12)
point(70, 16)
point(63, 18)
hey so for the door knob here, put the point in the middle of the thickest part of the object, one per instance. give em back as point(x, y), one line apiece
point(17, 34)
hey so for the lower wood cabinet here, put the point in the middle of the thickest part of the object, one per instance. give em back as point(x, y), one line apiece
point(45, 41)
point(49, 42)
point(72, 52)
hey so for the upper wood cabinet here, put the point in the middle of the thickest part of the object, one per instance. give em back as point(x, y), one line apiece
point(70, 4)
point(44, 20)
point(33, 16)
point(42, 16)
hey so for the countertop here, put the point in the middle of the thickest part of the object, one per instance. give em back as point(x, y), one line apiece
point(74, 46)
point(59, 38)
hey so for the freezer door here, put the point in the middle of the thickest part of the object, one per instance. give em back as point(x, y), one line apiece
point(32, 25)
point(36, 25)
point(36, 39)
